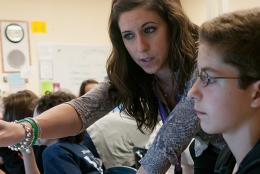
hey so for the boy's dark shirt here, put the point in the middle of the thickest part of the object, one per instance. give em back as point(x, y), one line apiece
point(249, 165)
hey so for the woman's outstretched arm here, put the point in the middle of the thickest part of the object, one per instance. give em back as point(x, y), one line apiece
point(63, 120)
point(59, 121)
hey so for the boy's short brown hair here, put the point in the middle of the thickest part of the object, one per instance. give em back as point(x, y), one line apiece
point(236, 36)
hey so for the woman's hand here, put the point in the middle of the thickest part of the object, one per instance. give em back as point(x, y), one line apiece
point(10, 133)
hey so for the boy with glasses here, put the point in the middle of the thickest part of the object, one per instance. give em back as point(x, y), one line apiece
point(227, 91)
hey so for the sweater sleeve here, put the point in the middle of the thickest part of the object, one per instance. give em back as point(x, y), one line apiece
point(172, 139)
point(93, 105)
point(174, 136)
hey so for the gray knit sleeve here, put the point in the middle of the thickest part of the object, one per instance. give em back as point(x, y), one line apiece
point(176, 134)
point(93, 105)
point(172, 139)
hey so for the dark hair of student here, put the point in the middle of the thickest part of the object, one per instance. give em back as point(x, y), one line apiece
point(53, 99)
point(19, 105)
point(237, 37)
point(84, 83)
point(130, 85)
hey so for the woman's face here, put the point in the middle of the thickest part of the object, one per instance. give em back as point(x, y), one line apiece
point(146, 37)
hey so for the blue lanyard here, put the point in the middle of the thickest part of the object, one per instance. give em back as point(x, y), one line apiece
point(162, 111)
point(163, 114)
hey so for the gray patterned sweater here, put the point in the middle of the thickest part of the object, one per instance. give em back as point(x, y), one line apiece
point(174, 136)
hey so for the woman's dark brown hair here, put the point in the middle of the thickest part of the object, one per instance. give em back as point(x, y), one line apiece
point(19, 105)
point(132, 86)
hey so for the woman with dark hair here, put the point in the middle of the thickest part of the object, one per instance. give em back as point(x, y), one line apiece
point(154, 46)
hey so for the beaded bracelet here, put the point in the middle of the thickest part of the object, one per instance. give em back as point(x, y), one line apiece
point(26, 143)
point(35, 127)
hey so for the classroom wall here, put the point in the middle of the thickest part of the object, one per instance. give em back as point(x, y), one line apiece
point(201, 10)
point(68, 21)
point(85, 21)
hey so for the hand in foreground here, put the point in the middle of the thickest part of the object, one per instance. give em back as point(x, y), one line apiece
point(10, 133)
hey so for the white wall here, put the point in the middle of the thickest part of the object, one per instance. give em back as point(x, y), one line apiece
point(68, 21)
point(201, 10)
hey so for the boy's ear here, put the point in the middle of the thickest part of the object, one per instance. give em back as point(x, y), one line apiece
point(256, 95)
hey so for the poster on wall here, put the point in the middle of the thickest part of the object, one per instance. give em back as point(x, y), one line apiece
point(73, 63)
point(15, 82)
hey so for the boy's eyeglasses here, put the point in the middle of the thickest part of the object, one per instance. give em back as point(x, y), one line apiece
point(206, 79)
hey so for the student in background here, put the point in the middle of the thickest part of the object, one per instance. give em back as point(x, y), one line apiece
point(227, 90)
point(86, 86)
point(149, 70)
point(113, 137)
point(16, 107)
point(67, 155)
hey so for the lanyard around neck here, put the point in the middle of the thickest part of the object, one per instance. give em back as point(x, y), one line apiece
point(163, 114)
point(162, 111)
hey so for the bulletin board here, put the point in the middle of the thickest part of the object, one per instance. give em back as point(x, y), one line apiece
point(70, 64)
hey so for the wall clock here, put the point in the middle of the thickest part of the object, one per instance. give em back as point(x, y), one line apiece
point(14, 33)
